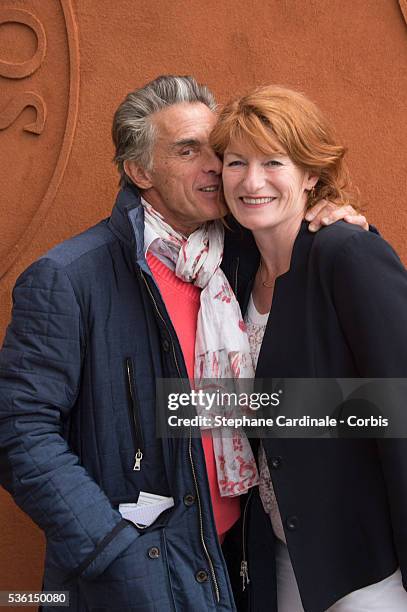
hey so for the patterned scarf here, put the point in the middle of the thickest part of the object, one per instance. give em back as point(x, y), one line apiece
point(222, 348)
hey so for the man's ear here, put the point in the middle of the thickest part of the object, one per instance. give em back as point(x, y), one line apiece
point(139, 175)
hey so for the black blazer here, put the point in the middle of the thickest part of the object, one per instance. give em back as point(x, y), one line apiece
point(340, 311)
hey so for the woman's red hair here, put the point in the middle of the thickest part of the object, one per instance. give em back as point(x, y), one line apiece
point(273, 118)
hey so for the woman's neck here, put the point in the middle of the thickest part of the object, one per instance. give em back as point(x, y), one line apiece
point(276, 245)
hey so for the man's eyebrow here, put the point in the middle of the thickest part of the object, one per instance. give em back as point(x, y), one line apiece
point(186, 142)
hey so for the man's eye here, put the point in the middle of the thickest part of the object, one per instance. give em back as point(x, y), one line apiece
point(187, 152)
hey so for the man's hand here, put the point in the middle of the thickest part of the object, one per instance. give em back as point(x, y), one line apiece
point(326, 212)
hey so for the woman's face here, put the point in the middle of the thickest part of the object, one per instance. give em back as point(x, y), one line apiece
point(263, 190)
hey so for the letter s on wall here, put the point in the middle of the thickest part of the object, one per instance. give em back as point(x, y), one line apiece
point(15, 107)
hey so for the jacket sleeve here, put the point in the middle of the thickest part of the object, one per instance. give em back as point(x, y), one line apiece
point(370, 295)
point(40, 366)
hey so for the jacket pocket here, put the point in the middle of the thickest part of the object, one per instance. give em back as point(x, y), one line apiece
point(134, 415)
point(136, 581)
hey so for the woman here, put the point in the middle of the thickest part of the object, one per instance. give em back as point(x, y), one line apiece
point(332, 304)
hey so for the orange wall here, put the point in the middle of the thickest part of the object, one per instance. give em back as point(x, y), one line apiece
point(74, 60)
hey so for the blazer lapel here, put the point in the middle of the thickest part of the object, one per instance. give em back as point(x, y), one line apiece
point(286, 349)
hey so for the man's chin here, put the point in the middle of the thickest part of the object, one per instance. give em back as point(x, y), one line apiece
point(221, 208)
point(219, 212)
point(213, 210)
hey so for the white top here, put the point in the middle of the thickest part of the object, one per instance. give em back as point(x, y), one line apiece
point(256, 324)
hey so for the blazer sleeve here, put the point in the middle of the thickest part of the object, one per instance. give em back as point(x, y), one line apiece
point(370, 295)
point(40, 366)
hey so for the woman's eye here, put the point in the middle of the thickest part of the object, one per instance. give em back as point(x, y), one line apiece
point(235, 162)
point(273, 163)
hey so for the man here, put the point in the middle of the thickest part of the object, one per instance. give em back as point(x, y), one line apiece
point(90, 334)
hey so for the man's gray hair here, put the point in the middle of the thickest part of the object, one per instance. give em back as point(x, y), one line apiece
point(134, 133)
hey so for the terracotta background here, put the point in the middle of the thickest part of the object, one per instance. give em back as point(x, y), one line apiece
point(66, 64)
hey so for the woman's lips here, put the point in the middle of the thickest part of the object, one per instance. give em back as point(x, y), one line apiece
point(257, 202)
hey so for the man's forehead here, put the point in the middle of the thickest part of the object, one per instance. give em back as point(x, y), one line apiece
point(184, 122)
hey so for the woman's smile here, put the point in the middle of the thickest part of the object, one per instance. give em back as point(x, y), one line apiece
point(257, 201)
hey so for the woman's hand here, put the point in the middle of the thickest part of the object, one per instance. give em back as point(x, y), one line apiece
point(326, 212)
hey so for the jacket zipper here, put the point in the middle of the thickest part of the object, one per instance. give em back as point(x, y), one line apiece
point(138, 434)
point(235, 279)
point(244, 569)
point(198, 497)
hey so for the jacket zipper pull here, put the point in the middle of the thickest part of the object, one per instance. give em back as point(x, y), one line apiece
point(244, 568)
point(137, 461)
point(244, 574)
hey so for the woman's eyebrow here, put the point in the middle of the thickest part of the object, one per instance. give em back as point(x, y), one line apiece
point(233, 153)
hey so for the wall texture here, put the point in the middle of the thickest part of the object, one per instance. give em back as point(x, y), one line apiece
point(66, 64)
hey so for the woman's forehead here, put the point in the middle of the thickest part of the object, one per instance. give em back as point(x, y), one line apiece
point(253, 143)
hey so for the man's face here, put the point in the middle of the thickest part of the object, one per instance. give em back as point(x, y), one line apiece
point(186, 175)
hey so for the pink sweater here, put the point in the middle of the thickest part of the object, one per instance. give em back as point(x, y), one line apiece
point(182, 302)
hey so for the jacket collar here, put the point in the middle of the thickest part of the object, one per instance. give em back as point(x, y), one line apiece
point(127, 220)
point(302, 245)
point(240, 244)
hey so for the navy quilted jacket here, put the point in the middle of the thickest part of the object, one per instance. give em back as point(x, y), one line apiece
point(89, 335)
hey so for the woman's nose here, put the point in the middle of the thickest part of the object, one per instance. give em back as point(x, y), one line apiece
point(254, 179)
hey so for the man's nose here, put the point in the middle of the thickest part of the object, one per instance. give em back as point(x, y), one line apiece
point(212, 162)
point(254, 179)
